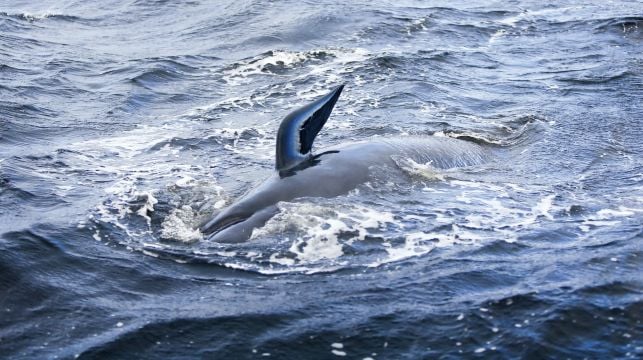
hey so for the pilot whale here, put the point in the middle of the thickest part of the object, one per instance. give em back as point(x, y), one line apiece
point(331, 172)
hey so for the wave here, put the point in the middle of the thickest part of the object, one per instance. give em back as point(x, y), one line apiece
point(33, 17)
point(7, 189)
point(599, 75)
point(627, 24)
point(508, 133)
point(160, 70)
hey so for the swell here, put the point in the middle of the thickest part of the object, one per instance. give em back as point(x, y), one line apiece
point(18, 134)
point(226, 336)
point(22, 187)
point(163, 71)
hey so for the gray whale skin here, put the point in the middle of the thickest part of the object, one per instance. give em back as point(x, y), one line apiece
point(332, 172)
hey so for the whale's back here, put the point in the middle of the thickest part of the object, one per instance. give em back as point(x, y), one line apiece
point(437, 151)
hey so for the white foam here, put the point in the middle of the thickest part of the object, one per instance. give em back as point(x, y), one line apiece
point(278, 258)
point(150, 253)
point(185, 181)
point(318, 230)
point(497, 35)
point(127, 144)
point(335, 61)
point(512, 20)
point(622, 211)
point(414, 245)
point(138, 174)
point(63, 190)
point(320, 234)
point(258, 65)
point(38, 16)
point(148, 207)
point(433, 109)
point(560, 14)
point(544, 206)
point(417, 24)
point(608, 218)
point(426, 170)
point(180, 226)
point(421, 243)
point(321, 242)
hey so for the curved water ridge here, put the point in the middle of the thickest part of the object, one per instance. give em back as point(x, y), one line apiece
point(124, 126)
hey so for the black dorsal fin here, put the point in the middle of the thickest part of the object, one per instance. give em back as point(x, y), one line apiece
point(299, 129)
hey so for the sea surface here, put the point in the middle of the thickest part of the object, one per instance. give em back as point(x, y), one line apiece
point(126, 124)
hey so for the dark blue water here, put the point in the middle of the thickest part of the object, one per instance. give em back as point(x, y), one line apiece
point(123, 125)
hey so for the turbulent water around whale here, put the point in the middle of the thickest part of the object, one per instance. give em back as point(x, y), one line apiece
point(125, 125)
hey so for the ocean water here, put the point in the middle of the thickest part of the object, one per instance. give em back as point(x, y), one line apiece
point(125, 124)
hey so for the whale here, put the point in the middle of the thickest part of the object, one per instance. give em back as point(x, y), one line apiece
point(301, 172)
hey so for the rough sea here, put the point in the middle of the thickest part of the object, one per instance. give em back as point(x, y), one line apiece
point(126, 124)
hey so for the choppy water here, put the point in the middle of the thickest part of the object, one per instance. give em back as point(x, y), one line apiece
point(125, 124)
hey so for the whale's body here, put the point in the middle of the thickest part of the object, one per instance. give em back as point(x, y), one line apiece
point(335, 171)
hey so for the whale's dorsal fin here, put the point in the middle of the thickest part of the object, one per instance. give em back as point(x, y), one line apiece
point(299, 129)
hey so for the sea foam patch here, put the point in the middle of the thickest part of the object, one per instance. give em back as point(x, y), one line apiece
point(315, 62)
point(316, 232)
